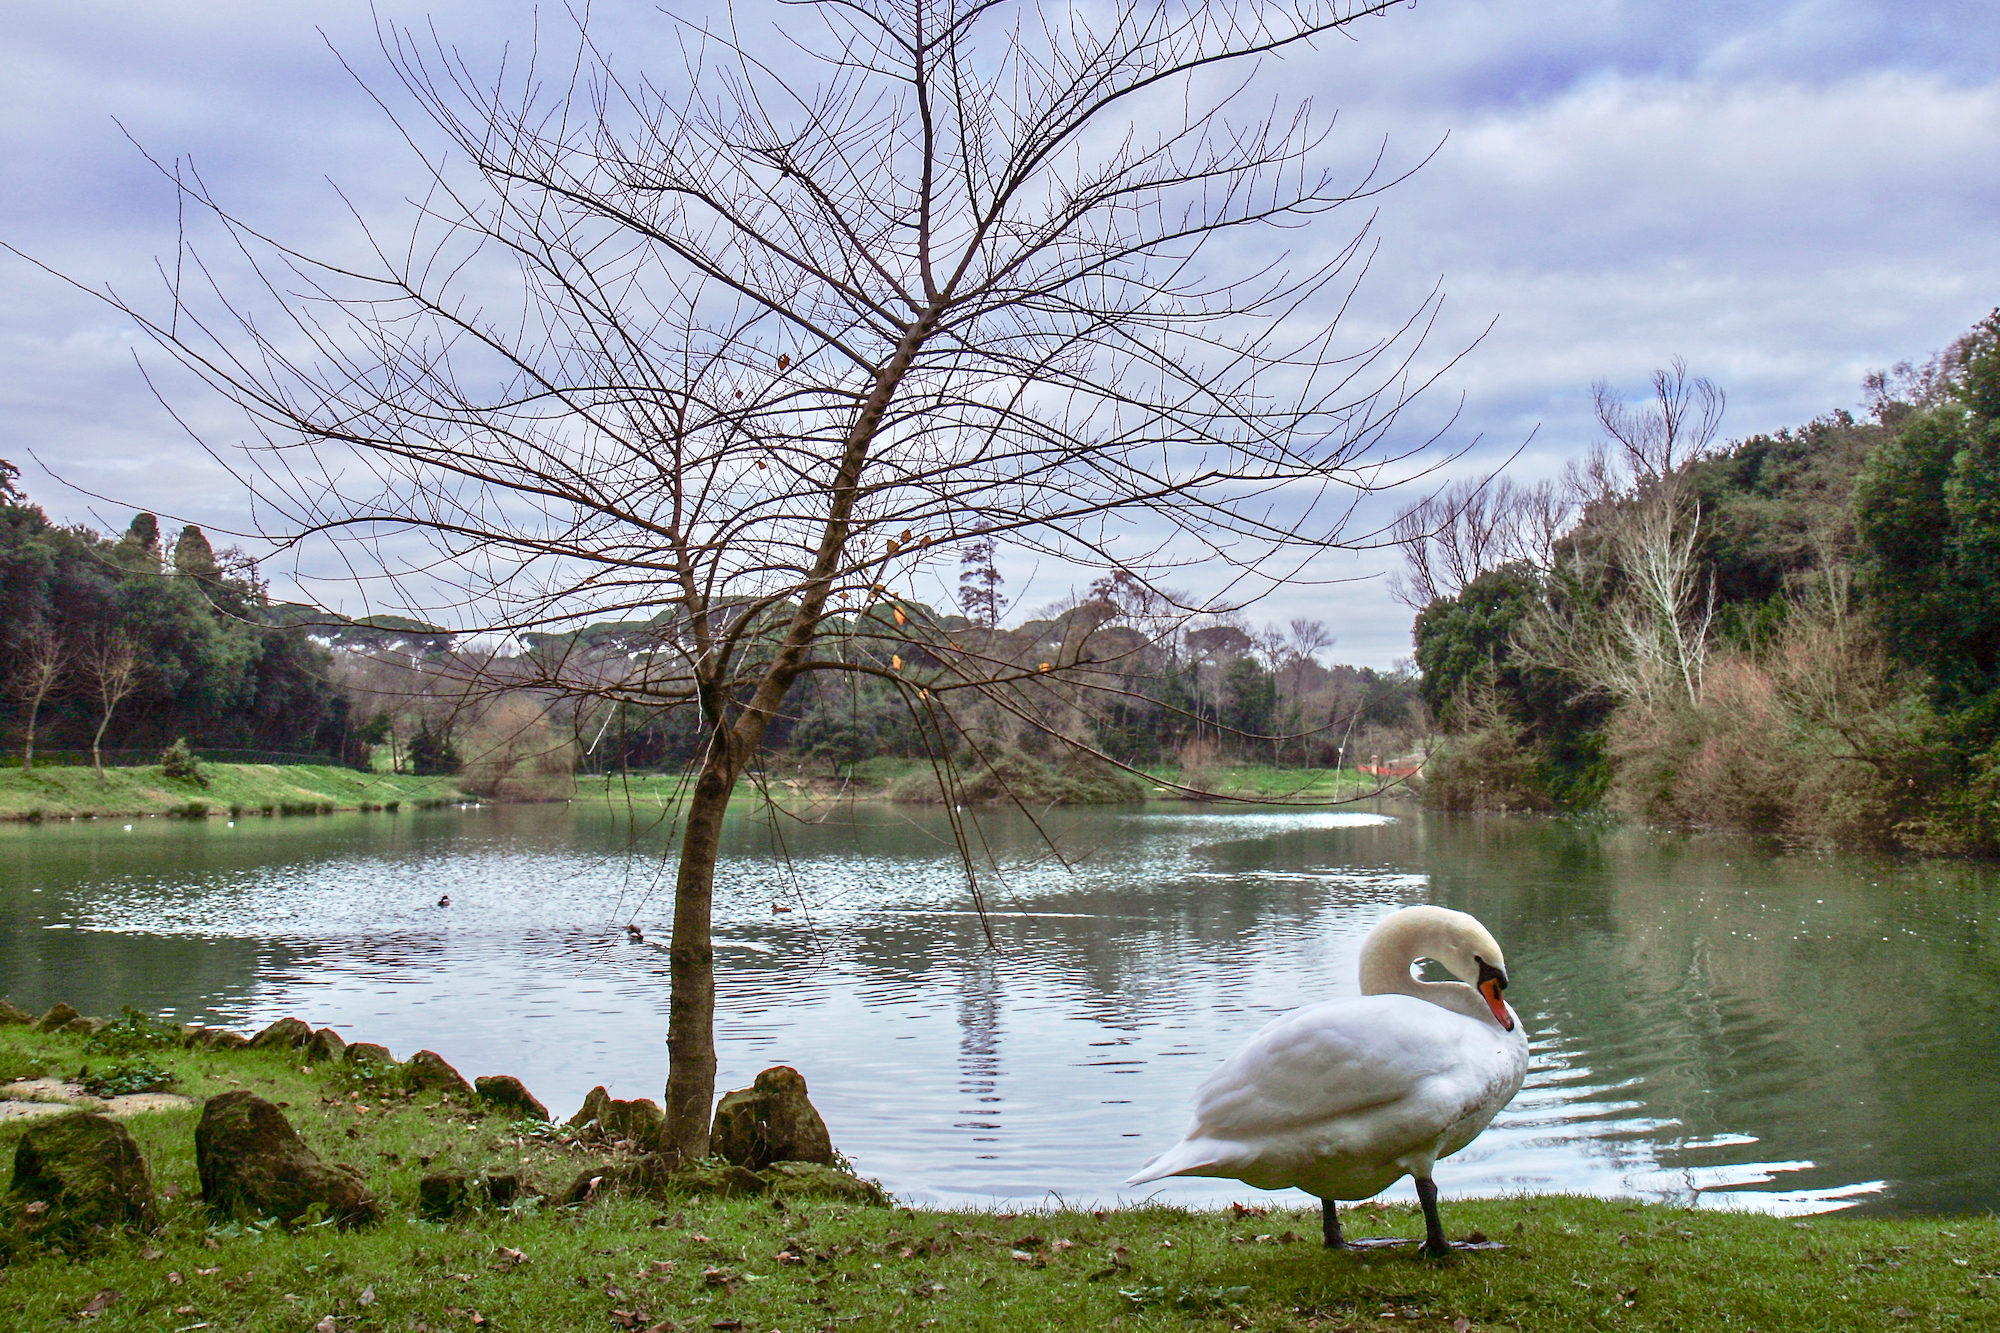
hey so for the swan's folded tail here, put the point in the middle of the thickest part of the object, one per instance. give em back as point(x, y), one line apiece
point(1188, 1157)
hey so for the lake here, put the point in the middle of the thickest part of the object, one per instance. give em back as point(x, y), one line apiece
point(1709, 1024)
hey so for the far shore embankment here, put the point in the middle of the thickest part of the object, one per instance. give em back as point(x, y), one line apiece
point(229, 790)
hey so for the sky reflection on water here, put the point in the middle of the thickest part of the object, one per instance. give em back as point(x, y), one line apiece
point(1701, 1018)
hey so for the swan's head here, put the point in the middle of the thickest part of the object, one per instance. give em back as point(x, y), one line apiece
point(1456, 942)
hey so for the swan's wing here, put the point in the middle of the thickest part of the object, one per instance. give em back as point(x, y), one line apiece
point(1327, 1060)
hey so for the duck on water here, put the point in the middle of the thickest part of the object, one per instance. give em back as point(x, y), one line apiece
point(1342, 1099)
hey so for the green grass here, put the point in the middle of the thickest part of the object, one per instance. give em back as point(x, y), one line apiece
point(54, 793)
point(874, 779)
point(1266, 782)
point(809, 1265)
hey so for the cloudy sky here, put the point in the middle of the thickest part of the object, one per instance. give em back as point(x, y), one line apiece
point(1786, 194)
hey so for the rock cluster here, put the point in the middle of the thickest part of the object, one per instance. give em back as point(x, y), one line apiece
point(79, 1173)
point(769, 1136)
point(638, 1123)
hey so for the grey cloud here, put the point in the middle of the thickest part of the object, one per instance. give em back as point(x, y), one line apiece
point(1786, 194)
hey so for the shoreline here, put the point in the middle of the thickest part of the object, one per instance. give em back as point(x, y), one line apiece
point(248, 790)
point(692, 1252)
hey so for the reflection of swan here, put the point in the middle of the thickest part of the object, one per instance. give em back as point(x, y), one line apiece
point(1344, 1098)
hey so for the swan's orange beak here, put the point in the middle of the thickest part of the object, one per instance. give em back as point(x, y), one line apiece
point(1491, 982)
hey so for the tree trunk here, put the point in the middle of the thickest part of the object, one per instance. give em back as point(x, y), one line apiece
point(690, 1092)
point(96, 757)
point(28, 741)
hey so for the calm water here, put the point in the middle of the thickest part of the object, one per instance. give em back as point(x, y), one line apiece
point(1709, 1024)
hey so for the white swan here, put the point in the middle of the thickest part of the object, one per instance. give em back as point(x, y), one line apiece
point(1342, 1099)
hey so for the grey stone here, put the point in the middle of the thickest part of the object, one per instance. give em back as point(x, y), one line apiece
point(368, 1052)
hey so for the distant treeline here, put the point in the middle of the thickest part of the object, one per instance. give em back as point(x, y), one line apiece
point(126, 644)
point(1152, 692)
point(133, 642)
point(1794, 634)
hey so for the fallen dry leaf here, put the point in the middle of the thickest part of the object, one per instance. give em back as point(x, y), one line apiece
point(1461, 1325)
point(367, 1296)
point(327, 1325)
point(150, 1254)
point(99, 1303)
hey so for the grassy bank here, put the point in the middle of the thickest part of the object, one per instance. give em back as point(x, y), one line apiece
point(880, 779)
point(249, 789)
point(691, 1263)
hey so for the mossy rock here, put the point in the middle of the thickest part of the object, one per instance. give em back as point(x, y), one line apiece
point(216, 1039)
point(639, 1122)
point(444, 1195)
point(253, 1163)
point(58, 1017)
point(427, 1071)
point(368, 1053)
point(504, 1092)
point(13, 1015)
point(771, 1121)
point(814, 1180)
point(326, 1046)
point(285, 1034)
point(85, 1172)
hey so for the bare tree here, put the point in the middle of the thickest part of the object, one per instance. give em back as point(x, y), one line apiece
point(1676, 427)
point(780, 340)
point(115, 671)
point(41, 667)
point(1452, 537)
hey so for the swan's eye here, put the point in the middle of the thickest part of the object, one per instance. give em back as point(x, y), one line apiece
point(1488, 972)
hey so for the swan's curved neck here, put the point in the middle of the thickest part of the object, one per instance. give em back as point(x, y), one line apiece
point(1392, 950)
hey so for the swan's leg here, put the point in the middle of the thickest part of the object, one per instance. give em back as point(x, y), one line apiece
point(1435, 1245)
point(1329, 1225)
